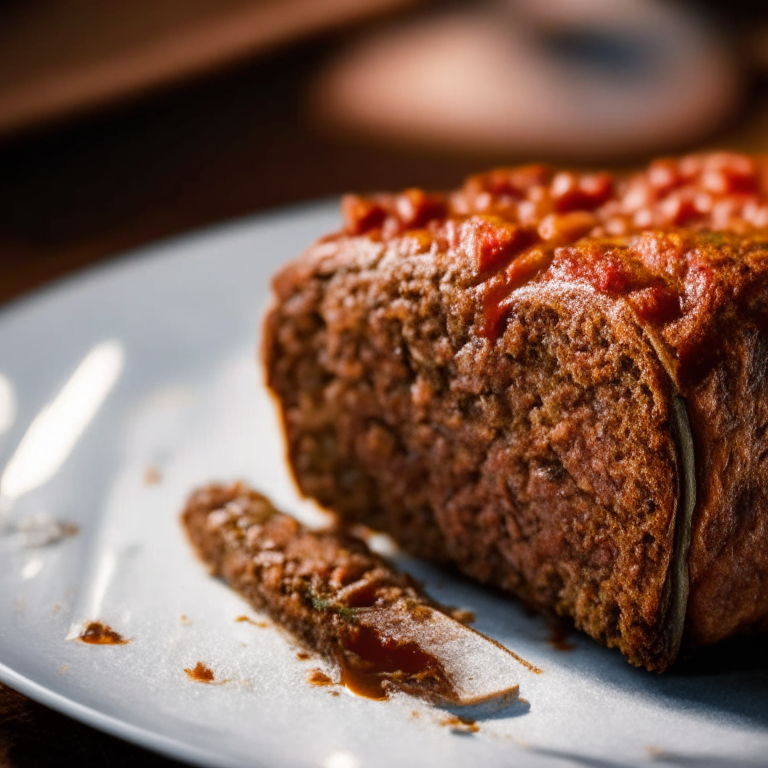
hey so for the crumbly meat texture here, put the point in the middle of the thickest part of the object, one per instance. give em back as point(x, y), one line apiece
point(314, 584)
point(489, 376)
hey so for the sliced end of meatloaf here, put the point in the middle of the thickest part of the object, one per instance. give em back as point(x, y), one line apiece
point(523, 397)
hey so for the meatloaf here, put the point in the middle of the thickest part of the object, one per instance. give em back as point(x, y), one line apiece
point(557, 382)
point(338, 598)
point(311, 583)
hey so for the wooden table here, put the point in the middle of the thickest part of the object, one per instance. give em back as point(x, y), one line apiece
point(83, 192)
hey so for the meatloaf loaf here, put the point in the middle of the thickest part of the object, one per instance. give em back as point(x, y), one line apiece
point(557, 382)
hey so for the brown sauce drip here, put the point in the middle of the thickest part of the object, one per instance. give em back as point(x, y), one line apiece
point(152, 475)
point(375, 664)
point(316, 677)
point(69, 529)
point(200, 673)
point(97, 633)
point(302, 656)
point(246, 620)
point(368, 683)
point(460, 724)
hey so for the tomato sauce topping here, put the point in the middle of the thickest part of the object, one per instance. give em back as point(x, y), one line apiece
point(517, 225)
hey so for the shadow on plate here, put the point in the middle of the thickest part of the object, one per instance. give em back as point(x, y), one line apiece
point(728, 678)
point(740, 654)
point(492, 710)
point(659, 758)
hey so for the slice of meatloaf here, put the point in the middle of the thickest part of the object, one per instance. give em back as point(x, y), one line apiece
point(341, 600)
point(557, 382)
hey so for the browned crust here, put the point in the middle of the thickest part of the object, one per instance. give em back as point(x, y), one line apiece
point(543, 458)
point(728, 560)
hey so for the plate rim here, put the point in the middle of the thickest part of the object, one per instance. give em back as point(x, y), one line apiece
point(107, 268)
point(138, 736)
point(125, 259)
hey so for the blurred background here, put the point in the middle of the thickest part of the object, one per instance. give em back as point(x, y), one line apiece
point(122, 123)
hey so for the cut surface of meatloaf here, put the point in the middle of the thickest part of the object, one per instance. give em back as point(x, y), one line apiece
point(557, 382)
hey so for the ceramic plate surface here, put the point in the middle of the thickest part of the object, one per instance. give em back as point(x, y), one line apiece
point(121, 390)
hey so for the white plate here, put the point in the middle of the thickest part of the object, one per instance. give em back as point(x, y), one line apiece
point(150, 362)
